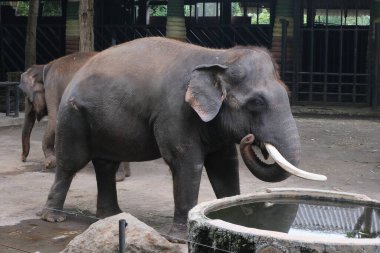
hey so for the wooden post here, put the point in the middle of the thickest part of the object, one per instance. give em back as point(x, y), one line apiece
point(31, 34)
point(86, 25)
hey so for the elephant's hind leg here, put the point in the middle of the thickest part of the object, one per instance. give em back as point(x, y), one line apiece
point(72, 155)
point(52, 211)
point(65, 172)
point(107, 196)
point(48, 142)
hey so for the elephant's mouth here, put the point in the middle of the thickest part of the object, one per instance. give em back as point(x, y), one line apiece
point(259, 146)
point(271, 172)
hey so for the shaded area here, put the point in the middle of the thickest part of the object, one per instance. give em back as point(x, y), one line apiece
point(37, 235)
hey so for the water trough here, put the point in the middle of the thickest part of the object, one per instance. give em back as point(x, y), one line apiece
point(287, 220)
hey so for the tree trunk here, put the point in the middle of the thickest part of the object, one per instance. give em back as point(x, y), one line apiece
point(86, 25)
point(175, 24)
point(31, 34)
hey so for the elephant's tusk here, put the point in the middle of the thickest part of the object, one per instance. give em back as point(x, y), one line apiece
point(280, 160)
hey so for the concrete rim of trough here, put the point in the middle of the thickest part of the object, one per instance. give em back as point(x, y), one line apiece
point(198, 213)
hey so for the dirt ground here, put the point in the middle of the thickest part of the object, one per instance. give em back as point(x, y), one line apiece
point(347, 151)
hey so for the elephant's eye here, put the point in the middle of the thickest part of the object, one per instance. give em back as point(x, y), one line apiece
point(256, 103)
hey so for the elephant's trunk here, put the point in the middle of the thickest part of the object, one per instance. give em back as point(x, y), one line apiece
point(30, 118)
point(261, 170)
point(281, 169)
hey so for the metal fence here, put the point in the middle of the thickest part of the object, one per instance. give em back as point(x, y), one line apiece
point(50, 45)
point(109, 35)
point(225, 36)
point(376, 68)
point(213, 36)
point(330, 66)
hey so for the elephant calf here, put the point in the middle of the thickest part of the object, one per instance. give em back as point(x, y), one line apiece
point(187, 104)
point(43, 86)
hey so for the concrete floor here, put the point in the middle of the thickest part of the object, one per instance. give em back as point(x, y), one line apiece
point(347, 151)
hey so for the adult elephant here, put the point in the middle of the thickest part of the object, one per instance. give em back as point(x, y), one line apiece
point(43, 86)
point(187, 104)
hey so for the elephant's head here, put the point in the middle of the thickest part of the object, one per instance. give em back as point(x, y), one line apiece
point(31, 84)
point(242, 92)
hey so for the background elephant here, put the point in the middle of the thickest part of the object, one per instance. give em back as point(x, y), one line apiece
point(187, 104)
point(43, 86)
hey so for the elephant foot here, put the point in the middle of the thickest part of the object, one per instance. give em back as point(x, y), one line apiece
point(120, 174)
point(104, 213)
point(177, 233)
point(51, 215)
point(50, 162)
point(127, 169)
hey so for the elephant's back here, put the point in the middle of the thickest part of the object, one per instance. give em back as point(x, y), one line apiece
point(59, 73)
point(141, 76)
point(153, 56)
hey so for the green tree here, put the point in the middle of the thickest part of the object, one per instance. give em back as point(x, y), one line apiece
point(86, 25)
point(31, 34)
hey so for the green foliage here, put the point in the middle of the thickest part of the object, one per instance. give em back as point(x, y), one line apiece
point(237, 10)
point(264, 13)
point(264, 16)
point(22, 8)
point(362, 20)
point(51, 8)
point(189, 11)
point(158, 11)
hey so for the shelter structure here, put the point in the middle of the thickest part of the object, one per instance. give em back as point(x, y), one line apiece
point(328, 50)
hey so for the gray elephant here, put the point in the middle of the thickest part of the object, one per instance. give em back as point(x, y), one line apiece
point(187, 104)
point(43, 86)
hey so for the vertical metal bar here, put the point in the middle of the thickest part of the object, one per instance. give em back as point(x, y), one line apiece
point(355, 64)
point(204, 11)
point(340, 64)
point(311, 55)
point(326, 57)
point(2, 62)
point(122, 225)
point(17, 100)
point(376, 76)
point(284, 46)
point(297, 39)
point(8, 101)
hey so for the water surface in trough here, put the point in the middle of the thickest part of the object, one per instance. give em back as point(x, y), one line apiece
point(305, 218)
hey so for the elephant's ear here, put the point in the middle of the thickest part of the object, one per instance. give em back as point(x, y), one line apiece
point(31, 82)
point(205, 92)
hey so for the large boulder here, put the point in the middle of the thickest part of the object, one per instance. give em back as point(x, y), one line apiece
point(103, 236)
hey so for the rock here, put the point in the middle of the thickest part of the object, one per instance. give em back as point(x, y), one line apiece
point(103, 236)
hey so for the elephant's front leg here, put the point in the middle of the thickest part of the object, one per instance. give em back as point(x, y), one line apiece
point(222, 168)
point(48, 142)
point(186, 180)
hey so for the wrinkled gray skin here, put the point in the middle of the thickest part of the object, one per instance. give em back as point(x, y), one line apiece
point(43, 86)
point(187, 104)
